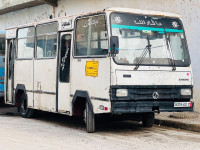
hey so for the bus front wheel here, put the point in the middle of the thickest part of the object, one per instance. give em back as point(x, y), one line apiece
point(89, 119)
point(148, 120)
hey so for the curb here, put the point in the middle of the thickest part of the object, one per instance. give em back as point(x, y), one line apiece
point(178, 125)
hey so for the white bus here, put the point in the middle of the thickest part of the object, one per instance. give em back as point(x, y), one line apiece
point(123, 62)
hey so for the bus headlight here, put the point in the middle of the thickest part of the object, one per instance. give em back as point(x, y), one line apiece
point(121, 92)
point(186, 92)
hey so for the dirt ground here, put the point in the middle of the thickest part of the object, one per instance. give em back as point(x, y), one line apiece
point(57, 132)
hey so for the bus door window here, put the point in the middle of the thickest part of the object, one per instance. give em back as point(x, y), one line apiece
point(65, 58)
point(10, 59)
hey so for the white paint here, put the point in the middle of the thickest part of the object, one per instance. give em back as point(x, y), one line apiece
point(96, 86)
point(45, 81)
point(149, 77)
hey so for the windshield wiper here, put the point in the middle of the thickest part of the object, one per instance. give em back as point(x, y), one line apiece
point(172, 56)
point(146, 49)
point(171, 61)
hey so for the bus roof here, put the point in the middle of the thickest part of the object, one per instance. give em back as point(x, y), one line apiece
point(11, 32)
point(144, 12)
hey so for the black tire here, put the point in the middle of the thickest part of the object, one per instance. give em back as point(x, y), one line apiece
point(1, 101)
point(25, 112)
point(148, 120)
point(90, 119)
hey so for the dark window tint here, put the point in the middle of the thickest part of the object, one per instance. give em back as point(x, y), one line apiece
point(2, 44)
point(65, 58)
point(10, 59)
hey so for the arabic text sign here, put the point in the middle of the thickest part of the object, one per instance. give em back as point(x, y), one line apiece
point(91, 68)
point(146, 21)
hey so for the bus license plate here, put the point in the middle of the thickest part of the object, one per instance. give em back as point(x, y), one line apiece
point(182, 104)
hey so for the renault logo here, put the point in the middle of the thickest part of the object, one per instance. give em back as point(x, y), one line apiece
point(155, 95)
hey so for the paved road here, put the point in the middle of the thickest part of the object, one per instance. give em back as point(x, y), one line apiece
point(57, 132)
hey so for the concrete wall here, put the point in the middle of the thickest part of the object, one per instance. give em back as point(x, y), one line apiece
point(189, 9)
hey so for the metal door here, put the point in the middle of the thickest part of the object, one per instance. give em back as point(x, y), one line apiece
point(63, 102)
point(10, 72)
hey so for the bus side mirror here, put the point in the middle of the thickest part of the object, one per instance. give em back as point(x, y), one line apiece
point(114, 44)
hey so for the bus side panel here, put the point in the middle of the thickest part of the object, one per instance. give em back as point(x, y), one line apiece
point(23, 74)
point(45, 84)
point(46, 102)
point(93, 79)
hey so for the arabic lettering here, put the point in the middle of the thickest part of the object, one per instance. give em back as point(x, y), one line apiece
point(66, 23)
point(158, 23)
point(151, 23)
point(62, 65)
point(90, 22)
point(140, 22)
point(148, 23)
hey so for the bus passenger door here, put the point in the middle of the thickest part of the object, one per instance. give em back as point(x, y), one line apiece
point(64, 72)
point(10, 72)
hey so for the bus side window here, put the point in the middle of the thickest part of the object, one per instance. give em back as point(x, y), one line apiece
point(65, 58)
point(46, 36)
point(91, 36)
point(25, 43)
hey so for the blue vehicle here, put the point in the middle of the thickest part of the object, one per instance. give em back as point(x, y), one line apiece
point(2, 63)
point(2, 70)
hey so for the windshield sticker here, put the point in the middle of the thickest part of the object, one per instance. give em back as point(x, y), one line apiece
point(91, 68)
point(117, 19)
point(90, 22)
point(175, 24)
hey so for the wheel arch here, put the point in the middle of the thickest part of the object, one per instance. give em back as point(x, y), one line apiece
point(20, 89)
point(79, 101)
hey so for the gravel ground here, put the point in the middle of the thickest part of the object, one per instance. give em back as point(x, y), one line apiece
point(57, 132)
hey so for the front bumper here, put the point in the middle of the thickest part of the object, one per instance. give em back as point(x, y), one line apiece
point(147, 106)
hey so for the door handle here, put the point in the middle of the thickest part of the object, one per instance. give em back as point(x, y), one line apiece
point(39, 86)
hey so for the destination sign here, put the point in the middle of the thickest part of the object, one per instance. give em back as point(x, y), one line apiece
point(145, 21)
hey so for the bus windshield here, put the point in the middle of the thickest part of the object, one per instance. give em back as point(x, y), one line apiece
point(163, 36)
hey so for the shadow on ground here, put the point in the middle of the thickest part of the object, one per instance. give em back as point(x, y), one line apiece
point(102, 124)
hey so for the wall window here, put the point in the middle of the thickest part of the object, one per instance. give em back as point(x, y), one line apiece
point(91, 36)
point(46, 40)
point(25, 43)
